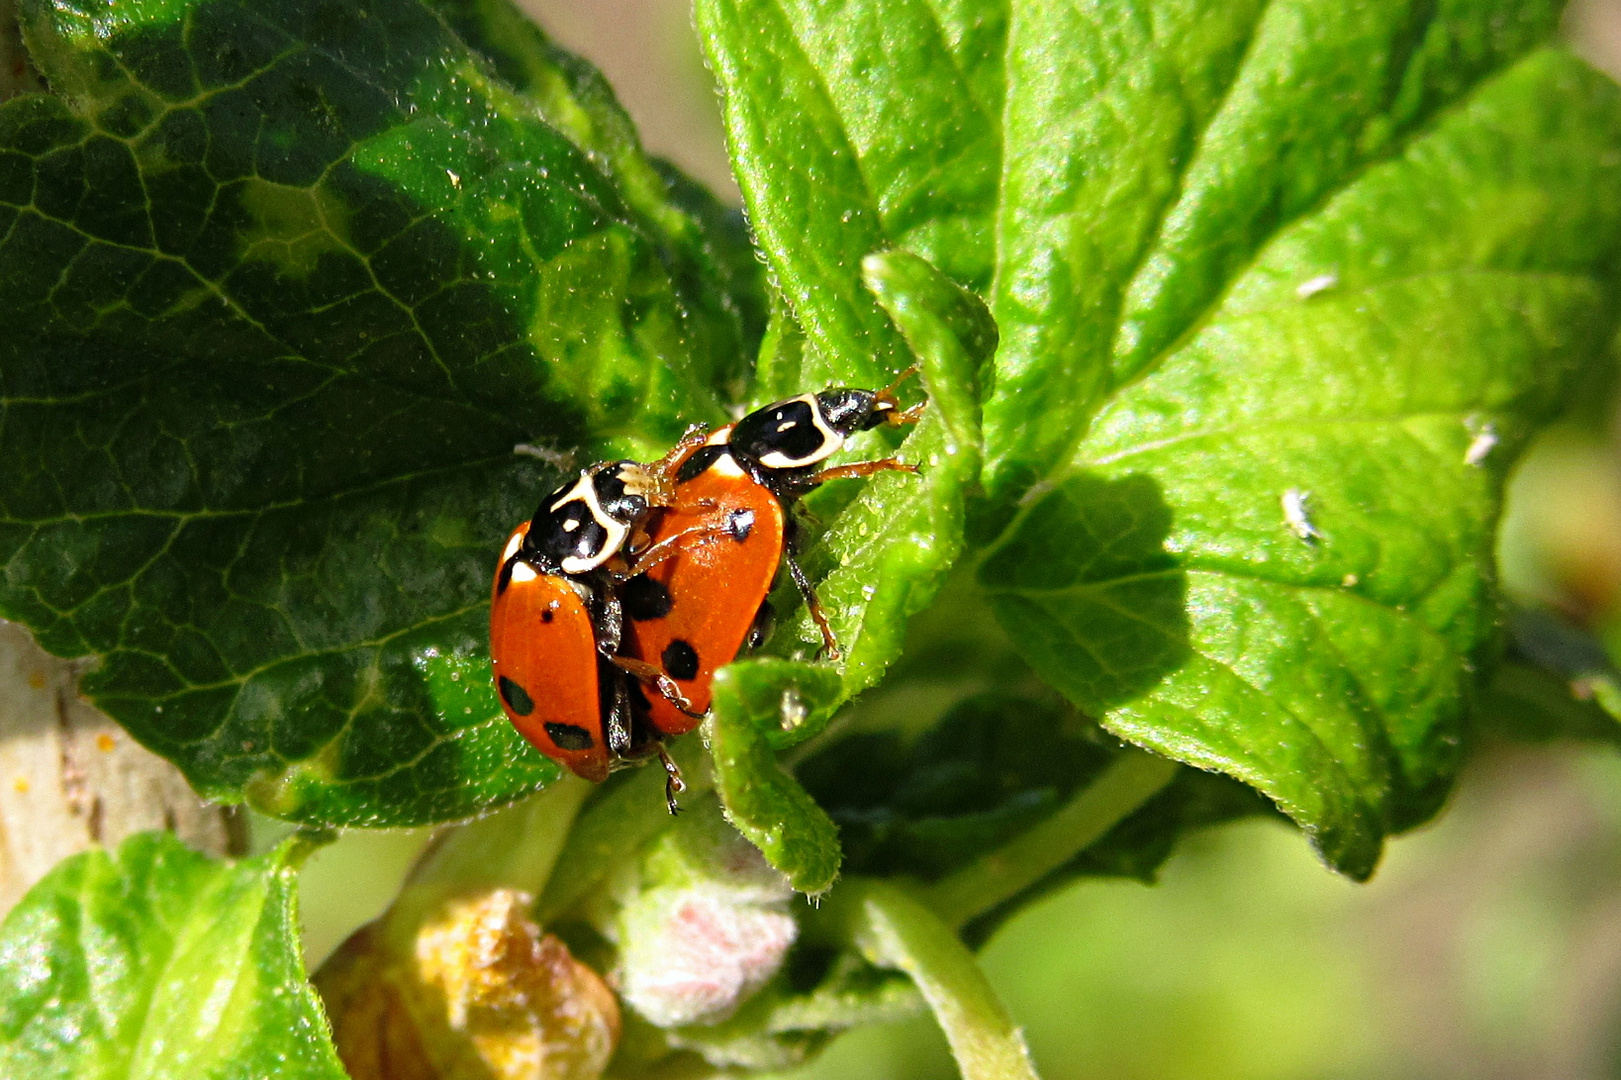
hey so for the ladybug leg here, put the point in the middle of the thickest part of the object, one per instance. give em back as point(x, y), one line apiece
point(667, 466)
point(609, 623)
point(765, 620)
point(650, 675)
point(906, 416)
point(673, 784)
point(617, 722)
point(830, 645)
point(861, 468)
point(888, 392)
point(671, 546)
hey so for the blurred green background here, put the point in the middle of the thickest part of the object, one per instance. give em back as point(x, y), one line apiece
point(1488, 945)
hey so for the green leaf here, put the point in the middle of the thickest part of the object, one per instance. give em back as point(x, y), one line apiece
point(854, 128)
point(884, 559)
point(1153, 152)
point(1270, 555)
point(284, 286)
point(761, 799)
point(711, 260)
point(157, 961)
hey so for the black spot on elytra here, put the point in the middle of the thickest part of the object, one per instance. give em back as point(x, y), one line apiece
point(740, 524)
point(516, 697)
point(644, 598)
point(680, 660)
point(569, 736)
point(547, 616)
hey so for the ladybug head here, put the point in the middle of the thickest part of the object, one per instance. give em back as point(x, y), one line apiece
point(801, 431)
point(586, 521)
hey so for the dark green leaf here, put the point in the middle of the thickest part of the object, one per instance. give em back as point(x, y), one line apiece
point(157, 961)
point(995, 765)
point(1271, 553)
point(710, 257)
point(284, 286)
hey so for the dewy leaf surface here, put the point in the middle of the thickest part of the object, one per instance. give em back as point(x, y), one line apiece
point(284, 285)
point(1271, 553)
point(154, 962)
point(856, 127)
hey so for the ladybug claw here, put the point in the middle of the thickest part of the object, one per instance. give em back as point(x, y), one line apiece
point(673, 784)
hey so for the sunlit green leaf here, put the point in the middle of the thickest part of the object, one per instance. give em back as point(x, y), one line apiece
point(156, 961)
point(1271, 553)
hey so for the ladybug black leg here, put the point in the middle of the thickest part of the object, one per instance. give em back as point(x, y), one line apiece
point(673, 784)
point(617, 722)
point(861, 468)
point(650, 675)
point(830, 645)
point(609, 623)
point(765, 620)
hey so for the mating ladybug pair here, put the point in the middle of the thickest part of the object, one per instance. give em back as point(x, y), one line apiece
point(615, 604)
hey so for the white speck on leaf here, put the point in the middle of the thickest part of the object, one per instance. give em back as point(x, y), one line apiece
point(1481, 446)
point(1297, 517)
point(1312, 286)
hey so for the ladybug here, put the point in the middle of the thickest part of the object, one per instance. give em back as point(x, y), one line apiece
point(555, 621)
point(731, 526)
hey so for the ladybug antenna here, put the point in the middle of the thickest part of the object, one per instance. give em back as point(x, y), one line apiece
point(887, 394)
point(887, 406)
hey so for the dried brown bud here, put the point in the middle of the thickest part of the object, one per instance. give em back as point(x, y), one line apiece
point(479, 993)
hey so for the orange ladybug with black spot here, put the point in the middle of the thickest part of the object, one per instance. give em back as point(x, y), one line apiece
point(727, 530)
point(555, 620)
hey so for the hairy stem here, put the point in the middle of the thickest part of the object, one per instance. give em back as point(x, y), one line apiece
point(892, 929)
point(516, 848)
point(1001, 875)
point(614, 827)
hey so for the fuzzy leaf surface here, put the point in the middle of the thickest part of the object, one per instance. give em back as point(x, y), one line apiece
point(157, 961)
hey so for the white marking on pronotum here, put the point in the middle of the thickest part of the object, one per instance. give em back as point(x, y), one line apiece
point(1312, 286)
point(512, 546)
point(1299, 521)
point(726, 465)
point(1481, 446)
point(831, 440)
point(523, 572)
point(585, 490)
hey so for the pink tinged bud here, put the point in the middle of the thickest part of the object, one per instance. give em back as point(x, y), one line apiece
point(693, 955)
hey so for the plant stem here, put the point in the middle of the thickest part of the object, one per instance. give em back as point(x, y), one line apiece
point(892, 929)
point(515, 848)
point(1125, 786)
point(615, 826)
